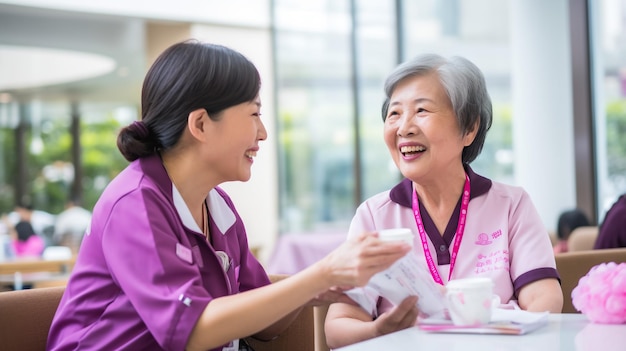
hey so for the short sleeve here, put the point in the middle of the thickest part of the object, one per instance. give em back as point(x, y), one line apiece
point(531, 254)
point(363, 221)
point(139, 242)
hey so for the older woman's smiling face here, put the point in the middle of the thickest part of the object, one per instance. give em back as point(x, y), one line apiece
point(421, 129)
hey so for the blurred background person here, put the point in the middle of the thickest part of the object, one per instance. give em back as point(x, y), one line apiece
point(612, 232)
point(26, 243)
point(71, 225)
point(568, 221)
point(41, 221)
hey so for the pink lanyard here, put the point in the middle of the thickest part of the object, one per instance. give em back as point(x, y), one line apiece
point(457, 238)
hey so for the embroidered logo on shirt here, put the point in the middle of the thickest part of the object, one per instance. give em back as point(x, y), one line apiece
point(483, 239)
point(494, 261)
point(184, 253)
point(496, 234)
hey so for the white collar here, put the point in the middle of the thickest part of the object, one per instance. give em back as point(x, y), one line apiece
point(221, 213)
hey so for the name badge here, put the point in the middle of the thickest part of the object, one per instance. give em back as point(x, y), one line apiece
point(224, 259)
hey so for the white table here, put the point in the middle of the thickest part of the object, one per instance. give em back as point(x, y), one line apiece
point(571, 332)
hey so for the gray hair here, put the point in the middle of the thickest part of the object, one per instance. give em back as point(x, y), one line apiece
point(466, 88)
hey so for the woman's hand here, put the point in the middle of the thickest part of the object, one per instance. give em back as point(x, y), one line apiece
point(348, 324)
point(399, 317)
point(358, 259)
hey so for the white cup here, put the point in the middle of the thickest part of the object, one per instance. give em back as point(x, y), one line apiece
point(470, 301)
point(397, 234)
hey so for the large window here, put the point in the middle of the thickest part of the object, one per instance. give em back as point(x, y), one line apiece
point(314, 112)
point(329, 73)
point(377, 52)
point(608, 33)
point(470, 29)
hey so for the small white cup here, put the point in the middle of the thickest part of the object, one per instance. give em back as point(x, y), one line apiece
point(397, 234)
point(470, 301)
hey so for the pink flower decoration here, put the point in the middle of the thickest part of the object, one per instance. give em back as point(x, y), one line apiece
point(601, 293)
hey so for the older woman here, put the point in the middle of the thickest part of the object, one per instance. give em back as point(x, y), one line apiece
point(437, 114)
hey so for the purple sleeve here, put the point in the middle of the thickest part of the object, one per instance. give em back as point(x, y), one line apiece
point(139, 242)
point(613, 230)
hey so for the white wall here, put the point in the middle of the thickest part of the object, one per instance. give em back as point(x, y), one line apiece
point(239, 12)
point(542, 105)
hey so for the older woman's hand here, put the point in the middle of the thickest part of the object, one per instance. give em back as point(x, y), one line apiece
point(399, 317)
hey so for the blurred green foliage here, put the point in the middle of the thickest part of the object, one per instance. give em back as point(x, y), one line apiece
point(616, 137)
point(101, 161)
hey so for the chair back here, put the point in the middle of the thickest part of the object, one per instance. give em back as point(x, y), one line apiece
point(25, 317)
point(582, 238)
point(319, 317)
point(306, 333)
point(574, 265)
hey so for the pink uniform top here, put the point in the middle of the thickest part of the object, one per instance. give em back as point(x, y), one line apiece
point(504, 238)
point(145, 272)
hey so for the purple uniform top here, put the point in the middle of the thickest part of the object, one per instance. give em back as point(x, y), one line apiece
point(612, 233)
point(504, 237)
point(145, 272)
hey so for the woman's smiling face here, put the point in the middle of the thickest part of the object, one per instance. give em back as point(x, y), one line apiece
point(236, 140)
point(421, 129)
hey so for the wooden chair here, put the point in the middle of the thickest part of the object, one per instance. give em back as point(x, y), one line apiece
point(26, 315)
point(574, 265)
point(319, 317)
point(582, 238)
point(306, 333)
